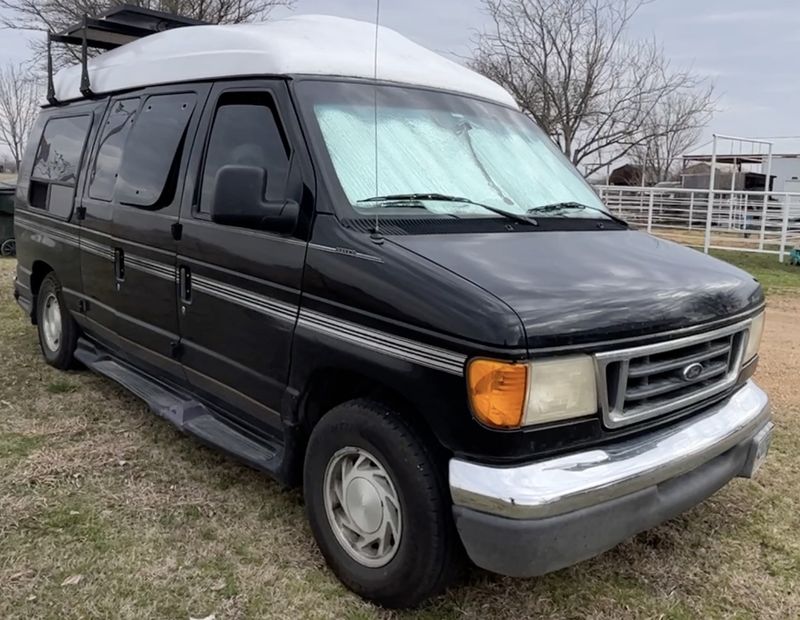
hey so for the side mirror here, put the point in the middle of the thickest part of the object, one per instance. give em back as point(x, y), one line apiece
point(239, 201)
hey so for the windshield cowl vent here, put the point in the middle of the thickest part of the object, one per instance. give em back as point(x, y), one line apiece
point(388, 225)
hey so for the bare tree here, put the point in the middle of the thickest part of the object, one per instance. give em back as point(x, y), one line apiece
point(676, 126)
point(568, 65)
point(57, 15)
point(19, 104)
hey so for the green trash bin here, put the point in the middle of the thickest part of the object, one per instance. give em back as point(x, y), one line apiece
point(7, 245)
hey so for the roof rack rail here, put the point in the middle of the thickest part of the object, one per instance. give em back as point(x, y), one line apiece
point(115, 27)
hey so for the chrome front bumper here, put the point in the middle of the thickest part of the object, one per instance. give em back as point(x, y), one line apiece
point(584, 479)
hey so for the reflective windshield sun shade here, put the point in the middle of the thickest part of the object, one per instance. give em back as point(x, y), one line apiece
point(434, 142)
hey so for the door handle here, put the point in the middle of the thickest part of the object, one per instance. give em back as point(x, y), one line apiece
point(119, 265)
point(185, 284)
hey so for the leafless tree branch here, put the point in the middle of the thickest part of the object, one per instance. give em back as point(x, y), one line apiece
point(675, 127)
point(20, 95)
point(569, 66)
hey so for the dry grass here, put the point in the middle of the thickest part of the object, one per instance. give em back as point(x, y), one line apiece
point(107, 512)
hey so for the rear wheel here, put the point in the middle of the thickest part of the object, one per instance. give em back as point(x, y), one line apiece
point(378, 505)
point(58, 332)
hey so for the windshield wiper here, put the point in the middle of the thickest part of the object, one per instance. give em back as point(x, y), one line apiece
point(563, 206)
point(517, 217)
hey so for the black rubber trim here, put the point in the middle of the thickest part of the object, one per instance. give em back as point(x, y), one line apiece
point(389, 224)
point(527, 548)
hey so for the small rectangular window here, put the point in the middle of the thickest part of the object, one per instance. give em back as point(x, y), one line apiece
point(118, 122)
point(246, 132)
point(57, 164)
point(37, 194)
point(59, 203)
point(152, 152)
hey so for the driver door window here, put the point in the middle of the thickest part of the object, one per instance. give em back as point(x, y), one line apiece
point(245, 133)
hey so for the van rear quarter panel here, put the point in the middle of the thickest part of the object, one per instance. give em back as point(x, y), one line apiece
point(26, 247)
point(45, 242)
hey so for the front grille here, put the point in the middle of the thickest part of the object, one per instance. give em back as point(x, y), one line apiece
point(653, 380)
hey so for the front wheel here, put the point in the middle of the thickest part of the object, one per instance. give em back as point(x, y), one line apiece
point(378, 506)
point(58, 332)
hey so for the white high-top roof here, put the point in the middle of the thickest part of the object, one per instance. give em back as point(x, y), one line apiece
point(305, 44)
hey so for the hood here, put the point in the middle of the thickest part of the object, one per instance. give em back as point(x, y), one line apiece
point(573, 287)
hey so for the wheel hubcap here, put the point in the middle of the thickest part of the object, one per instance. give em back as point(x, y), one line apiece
point(51, 322)
point(362, 506)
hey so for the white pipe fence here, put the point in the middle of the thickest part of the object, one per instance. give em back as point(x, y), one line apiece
point(740, 220)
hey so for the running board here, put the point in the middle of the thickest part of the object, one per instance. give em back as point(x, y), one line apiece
point(187, 414)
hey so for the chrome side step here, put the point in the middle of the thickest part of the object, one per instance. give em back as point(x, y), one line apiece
point(183, 411)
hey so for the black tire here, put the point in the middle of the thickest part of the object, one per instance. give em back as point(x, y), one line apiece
point(8, 248)
point(60, 355)
point(428, 555)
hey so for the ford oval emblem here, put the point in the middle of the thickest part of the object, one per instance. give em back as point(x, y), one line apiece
point(692, 372)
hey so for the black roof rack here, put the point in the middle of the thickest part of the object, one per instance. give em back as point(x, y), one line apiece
point(115, 27)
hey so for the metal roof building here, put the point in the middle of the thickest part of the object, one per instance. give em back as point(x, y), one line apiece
point(748, 157)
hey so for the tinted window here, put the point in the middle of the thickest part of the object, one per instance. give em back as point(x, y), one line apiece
point(59, 201)
point(152, 152)
point(246, 133)
point(58, 157)
point(118, 122)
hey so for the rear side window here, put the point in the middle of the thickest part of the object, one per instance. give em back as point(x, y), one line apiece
point(151, 158)
point(57, 162)
point(246, 132)
point(116, 126)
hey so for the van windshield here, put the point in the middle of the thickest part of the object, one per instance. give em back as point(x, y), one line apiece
point(442, 154)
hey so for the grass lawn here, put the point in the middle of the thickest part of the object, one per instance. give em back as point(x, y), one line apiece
point(774, 276)
point(106, 511)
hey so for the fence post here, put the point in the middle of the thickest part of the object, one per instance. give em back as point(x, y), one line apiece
point(763, 226)
point(711, 187)
point(767, 189)
point(650, 212)
point(691, 209)
point(709, 214)
point(784, 227)
point(732, 199)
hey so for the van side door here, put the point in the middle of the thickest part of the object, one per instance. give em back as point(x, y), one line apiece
point(239, 287)
point(97, 209)
point(145, 229)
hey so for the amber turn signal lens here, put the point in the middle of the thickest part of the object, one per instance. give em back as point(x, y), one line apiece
point(497, 392)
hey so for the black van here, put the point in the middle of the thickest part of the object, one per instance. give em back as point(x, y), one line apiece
point(390, 288)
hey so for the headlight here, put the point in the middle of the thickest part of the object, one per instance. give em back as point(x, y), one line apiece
point(754, 338)
point(561, 388)
point(509, 395)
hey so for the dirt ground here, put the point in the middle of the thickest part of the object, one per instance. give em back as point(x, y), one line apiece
point(107, 512)
point(779, 369)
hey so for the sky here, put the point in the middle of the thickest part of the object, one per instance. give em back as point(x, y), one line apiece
point(749, 49)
